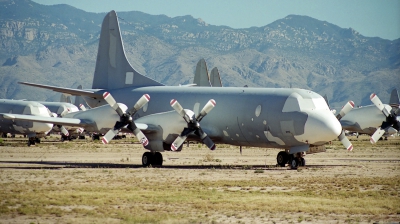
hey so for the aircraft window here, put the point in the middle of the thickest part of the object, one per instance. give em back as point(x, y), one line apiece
point(129, 78)
point(258, 110)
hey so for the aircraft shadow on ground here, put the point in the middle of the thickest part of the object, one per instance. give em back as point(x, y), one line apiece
point(62, 165)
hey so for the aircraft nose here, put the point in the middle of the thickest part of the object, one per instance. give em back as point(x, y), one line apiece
point(320, 127)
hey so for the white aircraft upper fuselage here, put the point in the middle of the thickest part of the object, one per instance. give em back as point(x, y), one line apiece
point(23, 127)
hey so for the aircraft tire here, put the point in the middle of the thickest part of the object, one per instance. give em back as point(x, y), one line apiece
point(147, 159)
point(157, 159)
point(282, 158)
point(303, 162)
point(294, 163)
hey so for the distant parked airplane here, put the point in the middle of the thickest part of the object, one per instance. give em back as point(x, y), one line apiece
point(33, 130)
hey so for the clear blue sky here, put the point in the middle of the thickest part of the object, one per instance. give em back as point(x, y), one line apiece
point(371, 18)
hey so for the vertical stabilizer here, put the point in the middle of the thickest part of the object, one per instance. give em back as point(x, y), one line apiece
point(201, 77)
point(394, 99)
point(215, 79)
point(113, 70)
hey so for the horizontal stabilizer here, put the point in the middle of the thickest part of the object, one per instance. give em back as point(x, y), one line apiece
point(76, 92)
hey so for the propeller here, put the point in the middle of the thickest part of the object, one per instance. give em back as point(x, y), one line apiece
point(62, 128)
point(125, 119)
point(342, 137)
point(392, 118)
point(193, 124)
point(83, 108)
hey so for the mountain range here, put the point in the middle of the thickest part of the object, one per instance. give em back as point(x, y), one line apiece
point(57, 45)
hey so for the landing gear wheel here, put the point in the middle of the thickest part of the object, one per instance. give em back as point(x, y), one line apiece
point(294, 163)
point(158, 159)
point(31, 141)
point(147, 159)
point(282, 158)
point(37, 140)
point(302, 162)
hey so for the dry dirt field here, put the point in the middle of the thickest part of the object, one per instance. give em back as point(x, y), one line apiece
point(87, 182)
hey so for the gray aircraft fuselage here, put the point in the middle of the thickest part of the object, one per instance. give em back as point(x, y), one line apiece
point(259, 117)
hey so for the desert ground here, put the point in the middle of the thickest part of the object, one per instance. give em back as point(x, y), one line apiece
point(84, 181)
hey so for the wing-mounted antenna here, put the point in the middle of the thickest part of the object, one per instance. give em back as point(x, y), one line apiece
point(113, 70)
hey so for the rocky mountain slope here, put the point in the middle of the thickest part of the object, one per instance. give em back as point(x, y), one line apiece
point(57, 45)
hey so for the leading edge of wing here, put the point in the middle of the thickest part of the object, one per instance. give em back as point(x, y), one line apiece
point(76, 92)
point(53, 120)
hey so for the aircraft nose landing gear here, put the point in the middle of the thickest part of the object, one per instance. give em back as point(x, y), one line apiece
point(294, 160)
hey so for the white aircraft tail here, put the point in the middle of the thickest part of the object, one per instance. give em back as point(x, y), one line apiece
point(113, 70)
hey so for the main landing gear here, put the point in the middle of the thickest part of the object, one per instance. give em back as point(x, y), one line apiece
point(33, 141)
point(152, 158)
point(294, 160)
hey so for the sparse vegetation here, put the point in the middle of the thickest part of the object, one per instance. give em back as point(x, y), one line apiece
point(239, 191)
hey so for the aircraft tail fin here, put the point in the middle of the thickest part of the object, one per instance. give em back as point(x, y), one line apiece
point(215, 79)
point(201, 77)
point(394, 99)
point(113, 70)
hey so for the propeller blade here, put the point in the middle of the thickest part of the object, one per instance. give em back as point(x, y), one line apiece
point(346, 108)
point(111, 101)
point(345, 141)
point(378, 103)
point(205, 138)
point(64, 130)
point(178, 142)
point(82, 107)
point(138, 133)
point(178, 108)
point(377, 135)
point(139, 104)
point(109, 136)
point(141, 137)
point(64, 112)
point(206, 109)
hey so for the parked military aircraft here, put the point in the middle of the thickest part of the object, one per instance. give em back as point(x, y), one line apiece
point(59, 109)
point(33, 130)
point(375, 120)
point(294, 120)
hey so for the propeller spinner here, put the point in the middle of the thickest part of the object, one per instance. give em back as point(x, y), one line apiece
point(193, 124)
point(125, 119)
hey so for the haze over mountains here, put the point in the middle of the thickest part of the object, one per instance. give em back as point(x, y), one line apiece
point(57, 45)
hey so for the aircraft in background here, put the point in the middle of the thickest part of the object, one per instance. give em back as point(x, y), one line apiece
point(202, 78)
point(376, 120)
point(33, 130)
point(60, 109)
point(295, 120)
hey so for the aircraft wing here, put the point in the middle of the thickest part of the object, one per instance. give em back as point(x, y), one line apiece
point(76, 92)
point(53, 120)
